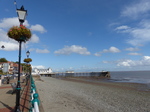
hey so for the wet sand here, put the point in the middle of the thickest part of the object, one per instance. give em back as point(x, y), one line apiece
point(73, 95)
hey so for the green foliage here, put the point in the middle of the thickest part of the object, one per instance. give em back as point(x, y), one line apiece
point(16, 62)
point(27, 60)
point(3, 60)
point(1, 72)
point(26, 67)
point(20, 33)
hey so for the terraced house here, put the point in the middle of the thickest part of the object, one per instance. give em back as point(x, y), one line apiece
point(10, 67)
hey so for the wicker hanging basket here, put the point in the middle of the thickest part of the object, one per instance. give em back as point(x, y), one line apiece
point(27, 60)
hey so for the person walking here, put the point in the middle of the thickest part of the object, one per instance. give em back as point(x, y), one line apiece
point(8, 80)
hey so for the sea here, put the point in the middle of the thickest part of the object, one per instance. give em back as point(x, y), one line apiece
point(131, 76)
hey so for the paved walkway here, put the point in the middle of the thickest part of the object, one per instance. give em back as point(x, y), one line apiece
point(8, 101)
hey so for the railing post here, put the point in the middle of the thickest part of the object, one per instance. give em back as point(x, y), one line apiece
point(34, 97)
point(35, 102)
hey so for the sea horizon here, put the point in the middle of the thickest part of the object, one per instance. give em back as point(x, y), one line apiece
point(131, 76)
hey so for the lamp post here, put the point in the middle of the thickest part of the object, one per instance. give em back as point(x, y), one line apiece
point(21, 16)
point(27, 53)
point(27, 77)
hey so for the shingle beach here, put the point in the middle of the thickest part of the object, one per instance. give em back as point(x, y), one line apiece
point(78, 96)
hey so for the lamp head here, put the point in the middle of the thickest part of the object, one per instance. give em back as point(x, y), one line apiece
point(21, 14)
point(2, 46)
point(27, 53)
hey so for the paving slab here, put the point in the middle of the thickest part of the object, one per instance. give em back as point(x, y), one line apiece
point(8, 100)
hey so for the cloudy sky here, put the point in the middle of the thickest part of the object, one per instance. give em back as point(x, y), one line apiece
point(80, 35)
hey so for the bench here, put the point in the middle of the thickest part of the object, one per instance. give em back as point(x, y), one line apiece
point(13, 85)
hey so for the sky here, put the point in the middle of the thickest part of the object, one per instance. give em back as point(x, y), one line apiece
point(80, 35)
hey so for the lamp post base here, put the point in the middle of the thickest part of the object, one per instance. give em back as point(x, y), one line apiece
point(17, 109)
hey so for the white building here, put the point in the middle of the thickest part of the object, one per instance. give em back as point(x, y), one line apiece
point(37, 71)
point(10, 67)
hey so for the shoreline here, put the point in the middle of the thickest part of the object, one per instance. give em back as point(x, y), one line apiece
point(71, 95)
point(131, 85)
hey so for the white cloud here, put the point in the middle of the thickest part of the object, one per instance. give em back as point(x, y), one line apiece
point(38, 28)
point(123, 27)
point(145, 24)
point(132, 49)
point(3, 35)
point(126, 63)
point(9, 46)
point(145, 61)
point(105, 61)
point(34, 38)
point(39, 67)
point(134, 53)
point(112, 50)
point(9, 22)
point(73, 49)
point(138, 35)
point(137, 9)
point(98, 54)
point(42, 51)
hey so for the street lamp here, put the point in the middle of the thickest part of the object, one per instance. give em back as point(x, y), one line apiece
point(27, 53)
point(27, 77)
point(21, 16)
point(2, 46)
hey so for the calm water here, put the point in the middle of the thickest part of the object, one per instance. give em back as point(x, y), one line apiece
point(131, 76)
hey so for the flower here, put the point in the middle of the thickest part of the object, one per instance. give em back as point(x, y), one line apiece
point(20, 33)
point(27, 60)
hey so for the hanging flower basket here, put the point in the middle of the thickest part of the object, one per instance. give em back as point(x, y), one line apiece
point(28, 65)
point(27, 60)
point(20, 33)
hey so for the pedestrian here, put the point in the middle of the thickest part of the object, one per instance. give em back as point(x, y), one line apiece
point(8, 80)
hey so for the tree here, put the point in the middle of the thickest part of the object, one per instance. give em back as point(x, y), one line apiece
point(3, 60)
point(17, 62)
point(1, 72)
point(27, 60)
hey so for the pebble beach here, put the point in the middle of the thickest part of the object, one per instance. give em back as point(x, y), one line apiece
point(71, 95)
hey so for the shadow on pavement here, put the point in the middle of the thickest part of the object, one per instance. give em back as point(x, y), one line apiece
point(8, 107)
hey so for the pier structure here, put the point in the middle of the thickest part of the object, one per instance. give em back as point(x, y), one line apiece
point(49, 73)
point(43, 72)
point(103, 74)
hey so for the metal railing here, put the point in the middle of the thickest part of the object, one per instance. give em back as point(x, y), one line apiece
point(34, 97)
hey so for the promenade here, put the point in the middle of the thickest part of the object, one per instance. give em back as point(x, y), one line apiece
point(8, 101)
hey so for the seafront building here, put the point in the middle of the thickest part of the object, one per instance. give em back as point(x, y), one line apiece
point(37, 71)
point(10, 67)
